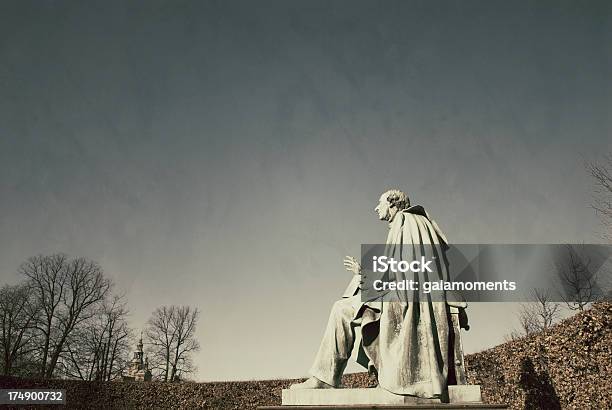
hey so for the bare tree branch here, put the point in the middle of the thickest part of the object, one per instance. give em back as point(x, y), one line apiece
point(171, 335)
point(577, 278)
point(602, 199)
point(68, 292)
point(536, 316)
point(17, 317)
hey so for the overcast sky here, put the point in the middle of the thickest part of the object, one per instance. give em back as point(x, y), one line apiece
point(227, 155)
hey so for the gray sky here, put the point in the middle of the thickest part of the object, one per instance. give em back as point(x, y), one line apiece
point(227, 155)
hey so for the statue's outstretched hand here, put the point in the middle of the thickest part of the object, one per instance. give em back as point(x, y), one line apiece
point(351, 265)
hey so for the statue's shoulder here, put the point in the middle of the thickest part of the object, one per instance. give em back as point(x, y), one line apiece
point(407, 218)
point(416, 210)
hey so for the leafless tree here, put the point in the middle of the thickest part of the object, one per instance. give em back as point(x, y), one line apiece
point(536, 316)
point(184, 325)
point(602, 175)
point(99, 348)
point(68, 292)
point(161, 339)
point(171, 336)
point(578, 280)
point(47, 277)
point(602, 201)
point(540, 314)
point(513, 335)
point(17, 315)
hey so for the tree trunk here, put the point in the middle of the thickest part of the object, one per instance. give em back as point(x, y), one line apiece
point(7, 363)
point(167, 363)
point(43, 368)
point(111, 361)
point(58, 350)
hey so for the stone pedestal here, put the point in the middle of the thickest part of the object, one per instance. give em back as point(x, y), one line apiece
point(441, 406)
point(461, 397)
point(315, 397)
point(465, 393)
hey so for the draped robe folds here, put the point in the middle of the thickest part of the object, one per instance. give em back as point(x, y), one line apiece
point(408, 342)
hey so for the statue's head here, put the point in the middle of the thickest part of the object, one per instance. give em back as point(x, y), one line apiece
point(390, 203)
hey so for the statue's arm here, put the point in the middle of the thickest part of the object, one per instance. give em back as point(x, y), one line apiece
point(352, 265)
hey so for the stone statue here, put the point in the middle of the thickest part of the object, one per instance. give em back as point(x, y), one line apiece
point(412, 347)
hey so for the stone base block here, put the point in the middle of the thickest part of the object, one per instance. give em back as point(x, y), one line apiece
point(466, 393)
point(461, 397)
point(348, 396)
point(441, 406)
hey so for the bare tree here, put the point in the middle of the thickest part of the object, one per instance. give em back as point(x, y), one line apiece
point(513, 335)
point(536, 316)
point(602, 201)
point(17, 315)
point(68, 292)
point(171, 335)
point(160, 337)
point(540, 314)
point(602, 174)
point(184, 325)
point(113, 360)
point(47, 278)
point(97, 350)
point(578, 280)
point(528, 319)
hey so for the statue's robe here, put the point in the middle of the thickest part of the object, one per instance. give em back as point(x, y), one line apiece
point(408, 343)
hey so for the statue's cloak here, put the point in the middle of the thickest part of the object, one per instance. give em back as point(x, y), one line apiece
point(408, 342)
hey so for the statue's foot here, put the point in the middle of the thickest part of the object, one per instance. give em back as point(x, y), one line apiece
point(311, 383)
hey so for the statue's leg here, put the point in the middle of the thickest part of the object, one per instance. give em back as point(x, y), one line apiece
point(337, 343)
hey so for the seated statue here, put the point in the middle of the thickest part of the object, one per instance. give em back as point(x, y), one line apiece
point(412, 347)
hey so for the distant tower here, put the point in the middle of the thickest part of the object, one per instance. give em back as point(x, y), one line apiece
point(139, 369)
